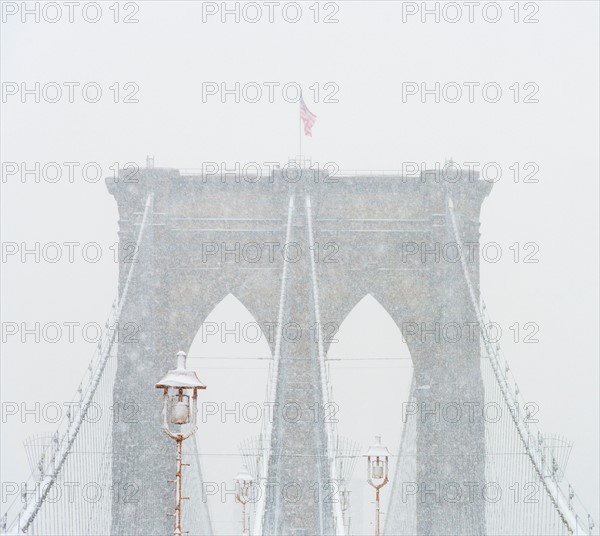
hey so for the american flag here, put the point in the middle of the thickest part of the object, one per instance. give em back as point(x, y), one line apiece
point(308, 118)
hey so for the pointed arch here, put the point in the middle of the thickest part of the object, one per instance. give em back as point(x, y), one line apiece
point(371, 372)
point(231, 355)
point(376, 315)
point(370, 318)
point(231, 321)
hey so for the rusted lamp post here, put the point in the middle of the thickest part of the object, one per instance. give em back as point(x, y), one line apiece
point(243, 482)
point(180, 408)
point(377, 473)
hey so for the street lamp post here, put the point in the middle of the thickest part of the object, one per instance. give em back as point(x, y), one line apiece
point(180, 387)
point(345, 505)
point(377, 473)
point(243, 482)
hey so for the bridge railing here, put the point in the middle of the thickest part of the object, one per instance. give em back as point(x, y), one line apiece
point(515, 449)
point(521, 461)
point(71, 492)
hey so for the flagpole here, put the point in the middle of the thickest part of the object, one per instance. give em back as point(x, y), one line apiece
point(300, 138)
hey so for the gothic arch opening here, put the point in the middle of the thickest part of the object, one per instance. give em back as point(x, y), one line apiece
point(231, 355)
point(371, 371)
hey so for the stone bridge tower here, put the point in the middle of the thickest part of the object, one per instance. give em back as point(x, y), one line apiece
point(387, 236)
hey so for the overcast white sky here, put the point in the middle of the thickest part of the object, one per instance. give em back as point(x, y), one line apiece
point(369, 53)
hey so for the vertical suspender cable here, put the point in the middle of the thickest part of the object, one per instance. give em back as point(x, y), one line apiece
point(272, 388)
